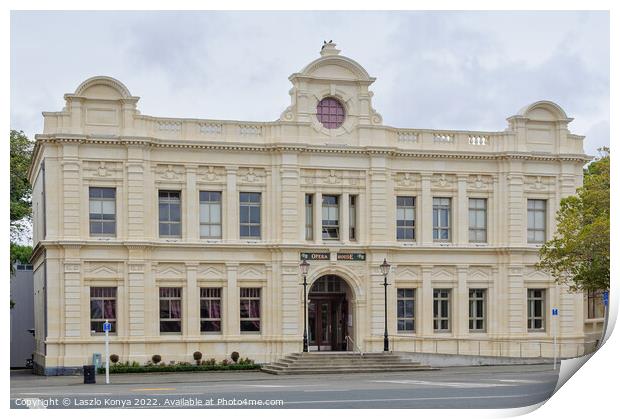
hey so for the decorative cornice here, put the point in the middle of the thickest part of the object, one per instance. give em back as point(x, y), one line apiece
point(271, 148)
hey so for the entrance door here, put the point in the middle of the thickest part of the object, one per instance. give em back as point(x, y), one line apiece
point(326, 324)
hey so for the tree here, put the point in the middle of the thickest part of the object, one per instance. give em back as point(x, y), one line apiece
point(21, 192)
point(578, 253)
point(21, 204)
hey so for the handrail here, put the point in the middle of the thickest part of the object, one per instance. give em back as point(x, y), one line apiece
point(348, 338)
point(512, 345)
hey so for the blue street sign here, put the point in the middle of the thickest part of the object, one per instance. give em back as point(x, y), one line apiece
point(606, 298)
point(107, 327)
point(554, 311)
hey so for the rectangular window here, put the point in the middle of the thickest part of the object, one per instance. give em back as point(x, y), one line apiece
point(441, 219)
point(596, 308)
point(352, 217)
point(477, 220)
point(405, 218)
point(102, 211)
point(249, 305)
point(249, 215)
point(441, 310)
point(169, 214)
point(536, 220)
point(170, 310)
point(309, 217)
point(331, 214)
point(477, 310)
point(210, 309)
point(102, 308)
point(405, 309)
point(210, 215)
point(535, 310)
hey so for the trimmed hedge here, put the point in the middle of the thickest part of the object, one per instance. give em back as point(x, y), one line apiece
point(122, 369)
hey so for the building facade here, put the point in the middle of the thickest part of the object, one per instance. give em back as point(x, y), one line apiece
point(187, 234)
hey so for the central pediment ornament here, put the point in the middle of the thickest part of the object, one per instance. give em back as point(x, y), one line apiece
point(332, 177)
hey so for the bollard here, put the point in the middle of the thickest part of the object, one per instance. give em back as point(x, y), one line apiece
point(89, 374)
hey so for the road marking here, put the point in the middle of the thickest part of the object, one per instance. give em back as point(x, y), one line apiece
point(522, 381)
point(154, 389)
point(509, 396)
point(262, 385)
point(442, 384)
point(327, 389)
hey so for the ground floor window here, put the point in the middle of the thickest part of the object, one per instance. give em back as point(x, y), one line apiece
point(405, 309)
point(170, 310)
point(441, 310)
point(596, 309)
point(210, 309)
point(102, 308)
point(477, 310)
point(249, 306)
point(535, 310)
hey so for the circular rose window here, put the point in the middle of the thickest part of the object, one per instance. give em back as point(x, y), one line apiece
point(330, 113)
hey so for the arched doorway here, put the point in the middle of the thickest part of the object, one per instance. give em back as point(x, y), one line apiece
point(329, 314)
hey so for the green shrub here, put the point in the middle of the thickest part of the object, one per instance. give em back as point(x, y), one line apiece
point(225, 362)
point(134, 367)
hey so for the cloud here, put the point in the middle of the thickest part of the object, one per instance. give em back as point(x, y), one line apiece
point(443, 70)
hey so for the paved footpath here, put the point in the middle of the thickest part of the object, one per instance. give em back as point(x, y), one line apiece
point(455, 387)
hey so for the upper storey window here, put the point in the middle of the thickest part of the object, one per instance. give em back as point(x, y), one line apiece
point(330, 113)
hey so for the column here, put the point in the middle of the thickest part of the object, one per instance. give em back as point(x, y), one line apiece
point(191, 225)
point(230, 211)
point(191, 295)
point(136, 300)
point(461, 221)
point(461, 303)
point(137, 212)
point(426, 225)
point(318, 218)
point(425, 312)
point(344, 217)
point(72, 292)
point(232, 300)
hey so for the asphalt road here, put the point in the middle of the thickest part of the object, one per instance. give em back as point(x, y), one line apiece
point(456, 387)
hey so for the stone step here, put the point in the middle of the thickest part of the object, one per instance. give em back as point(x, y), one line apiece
point(342, 362)
point(288, 371)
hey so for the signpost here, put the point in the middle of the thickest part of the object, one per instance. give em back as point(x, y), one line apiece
point(605, 297)
point(555, 314)
point(107, 328)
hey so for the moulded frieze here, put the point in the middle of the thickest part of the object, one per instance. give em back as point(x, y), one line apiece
point(537, 183)
point(408, 180)
point(102, 169)
point(443, 181)
point(170, 173)
point(251, 175)
point(210, 174)
point(479, 182)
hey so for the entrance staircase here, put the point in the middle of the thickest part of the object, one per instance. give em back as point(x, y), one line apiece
point(342, 362)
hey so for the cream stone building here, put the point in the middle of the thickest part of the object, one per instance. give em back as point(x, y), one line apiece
point(187, 234)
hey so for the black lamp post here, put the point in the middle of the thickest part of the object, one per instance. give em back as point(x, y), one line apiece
point(303, 267)
point(385, 269)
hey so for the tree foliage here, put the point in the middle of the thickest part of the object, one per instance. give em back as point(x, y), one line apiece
point(578, 254)
point(21, 154)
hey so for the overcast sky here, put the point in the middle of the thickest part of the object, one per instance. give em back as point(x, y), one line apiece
point(441, 70)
